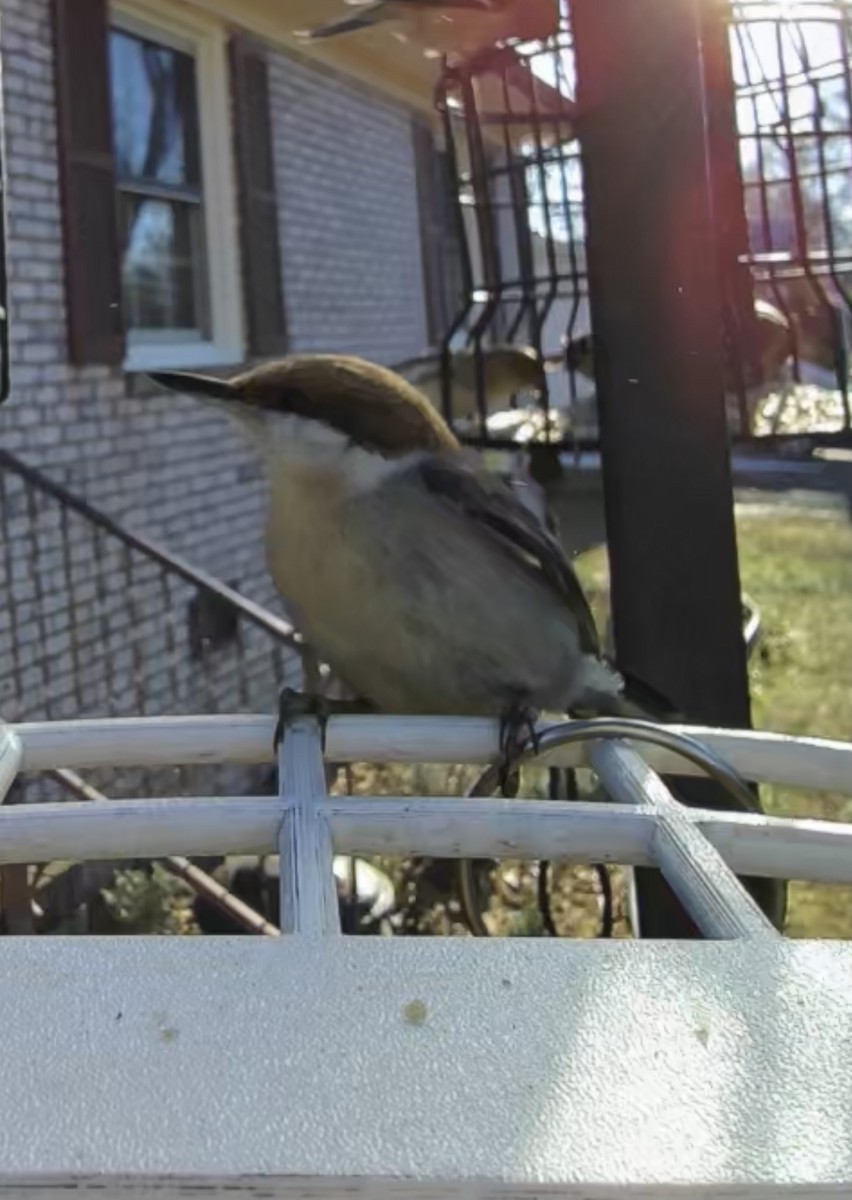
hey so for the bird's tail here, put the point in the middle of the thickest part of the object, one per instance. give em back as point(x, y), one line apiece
point(640, 700)
point(613, 692)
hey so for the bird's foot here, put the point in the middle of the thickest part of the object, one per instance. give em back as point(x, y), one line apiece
point(517, 732)
point(293, 704)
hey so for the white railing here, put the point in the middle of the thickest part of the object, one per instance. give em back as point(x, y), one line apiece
point(320, 1065)
point(700, 852)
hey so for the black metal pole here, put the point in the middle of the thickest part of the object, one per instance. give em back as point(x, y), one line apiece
point(657, 315)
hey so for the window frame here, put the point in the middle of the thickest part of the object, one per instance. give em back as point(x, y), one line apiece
point(205, 39)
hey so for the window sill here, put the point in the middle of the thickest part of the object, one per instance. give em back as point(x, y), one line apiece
point(184, 356)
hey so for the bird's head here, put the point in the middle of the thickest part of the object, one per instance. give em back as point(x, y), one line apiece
point(578, 355)
point(775, 339)
point(313, 397)
point(507, 370)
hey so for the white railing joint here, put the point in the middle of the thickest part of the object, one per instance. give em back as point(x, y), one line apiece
point(309, 903)
point(706, 886)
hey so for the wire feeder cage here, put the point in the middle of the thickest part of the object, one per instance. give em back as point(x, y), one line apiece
point(513, 154)
point(512, 135)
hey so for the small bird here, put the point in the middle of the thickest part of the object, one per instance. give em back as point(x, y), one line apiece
point(418, 576)
point(507, 370)
point(448, 26)
point(774, 347)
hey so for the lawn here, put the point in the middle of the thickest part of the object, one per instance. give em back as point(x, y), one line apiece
point(799, 570)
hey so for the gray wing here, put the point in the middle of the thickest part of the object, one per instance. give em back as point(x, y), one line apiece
point(492, 504)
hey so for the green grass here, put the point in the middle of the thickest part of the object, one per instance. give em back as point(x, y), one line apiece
point(798, 568)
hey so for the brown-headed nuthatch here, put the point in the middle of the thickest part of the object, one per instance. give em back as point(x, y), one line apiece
point(507, 370)
point(418, 576)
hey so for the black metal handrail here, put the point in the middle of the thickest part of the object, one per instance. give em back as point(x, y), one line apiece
point(89, 626)
point(282, 630)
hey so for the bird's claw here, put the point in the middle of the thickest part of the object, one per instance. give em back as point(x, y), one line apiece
point(292, 705)
point(517, 733)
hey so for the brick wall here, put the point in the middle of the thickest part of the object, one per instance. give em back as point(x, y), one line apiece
point(349, 226)
point(351, 263)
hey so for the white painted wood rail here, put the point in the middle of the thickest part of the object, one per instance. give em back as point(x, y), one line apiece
point(814, 763)
point(321, 1065)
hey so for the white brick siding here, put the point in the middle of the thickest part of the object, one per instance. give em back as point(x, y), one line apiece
point(349, 227)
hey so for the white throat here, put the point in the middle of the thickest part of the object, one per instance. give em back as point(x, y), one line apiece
point(293, 445)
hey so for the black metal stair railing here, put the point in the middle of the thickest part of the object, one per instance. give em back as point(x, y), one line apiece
point(99, 621)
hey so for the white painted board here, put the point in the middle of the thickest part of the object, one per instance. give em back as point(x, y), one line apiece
point(426, 1067)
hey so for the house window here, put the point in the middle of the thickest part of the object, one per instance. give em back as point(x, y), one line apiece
point(171, 141)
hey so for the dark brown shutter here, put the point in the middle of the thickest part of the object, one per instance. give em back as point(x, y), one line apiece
point(261, 255)
point(87, 177)
point(438, 233)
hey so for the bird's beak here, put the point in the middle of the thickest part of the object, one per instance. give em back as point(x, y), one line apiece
point(194, 385)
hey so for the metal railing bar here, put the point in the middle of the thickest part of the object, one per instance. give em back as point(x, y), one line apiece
point(200, 882)
point(702, 880)
point(278, 628)
point(816, 763)
point(205, 885)
point(643, 733)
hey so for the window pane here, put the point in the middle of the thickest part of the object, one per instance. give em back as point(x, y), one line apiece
point(154, 112)
point(162, 265)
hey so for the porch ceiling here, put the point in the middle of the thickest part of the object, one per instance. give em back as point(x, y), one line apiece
point(377, 57)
